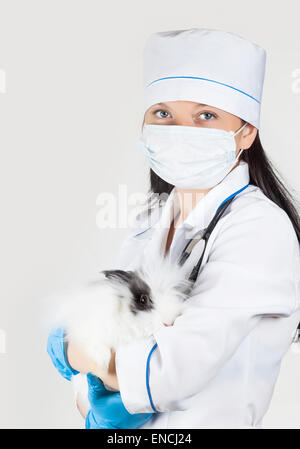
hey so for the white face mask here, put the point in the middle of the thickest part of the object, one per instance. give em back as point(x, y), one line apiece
point(189, 157)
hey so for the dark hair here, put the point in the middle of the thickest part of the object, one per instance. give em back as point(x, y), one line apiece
point(262, 174)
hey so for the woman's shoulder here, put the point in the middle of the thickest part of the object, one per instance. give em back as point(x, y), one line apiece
point(254, 204)
point(257, 235)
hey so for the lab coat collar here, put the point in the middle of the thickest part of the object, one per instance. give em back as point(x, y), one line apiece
point(204, 211)
point(201, 214)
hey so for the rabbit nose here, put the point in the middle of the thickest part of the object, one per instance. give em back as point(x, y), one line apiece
point(168, 324)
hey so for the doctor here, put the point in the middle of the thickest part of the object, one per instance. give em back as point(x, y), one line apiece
point(217, 365)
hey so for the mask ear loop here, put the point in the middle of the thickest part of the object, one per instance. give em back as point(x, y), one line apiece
point(239, 130)
point(241, 150)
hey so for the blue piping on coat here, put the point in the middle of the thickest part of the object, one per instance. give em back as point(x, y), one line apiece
point(147, 379)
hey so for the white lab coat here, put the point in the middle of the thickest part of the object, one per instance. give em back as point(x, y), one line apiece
point(216, 367)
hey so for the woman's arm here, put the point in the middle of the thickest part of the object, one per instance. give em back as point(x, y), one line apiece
point(79, 361)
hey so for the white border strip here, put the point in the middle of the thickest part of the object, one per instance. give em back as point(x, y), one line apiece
point(2, 82)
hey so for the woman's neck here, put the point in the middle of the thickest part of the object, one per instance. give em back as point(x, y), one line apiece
point(188, 199)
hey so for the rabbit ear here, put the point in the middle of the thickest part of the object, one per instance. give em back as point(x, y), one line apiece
point(118, 275)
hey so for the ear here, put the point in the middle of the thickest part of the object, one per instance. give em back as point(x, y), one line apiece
point(118, 275)
point(248, 136)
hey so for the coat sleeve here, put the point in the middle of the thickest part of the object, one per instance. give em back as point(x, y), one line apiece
point(250, 273)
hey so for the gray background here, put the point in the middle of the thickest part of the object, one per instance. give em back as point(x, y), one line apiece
point(69, 123)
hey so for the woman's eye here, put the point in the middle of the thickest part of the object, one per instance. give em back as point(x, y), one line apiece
point(206, 115)
point(161, 113)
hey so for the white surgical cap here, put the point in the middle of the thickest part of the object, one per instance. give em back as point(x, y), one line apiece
point(212, 67)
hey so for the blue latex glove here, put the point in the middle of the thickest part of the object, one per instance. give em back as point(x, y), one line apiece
point(107, 409)
point(56, 350)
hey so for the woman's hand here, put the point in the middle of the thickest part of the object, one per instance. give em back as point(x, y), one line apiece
point(80, 362)
point(107, 409)
point(57, 352)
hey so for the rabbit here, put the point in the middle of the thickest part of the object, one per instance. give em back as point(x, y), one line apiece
point(122, 306)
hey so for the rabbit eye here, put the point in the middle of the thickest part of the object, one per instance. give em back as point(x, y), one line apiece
point(144, 299)
point(141, 296)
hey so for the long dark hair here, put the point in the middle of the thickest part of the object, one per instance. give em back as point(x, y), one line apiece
point(262, 174)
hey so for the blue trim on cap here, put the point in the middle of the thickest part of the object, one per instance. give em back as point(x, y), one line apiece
point(204, 79)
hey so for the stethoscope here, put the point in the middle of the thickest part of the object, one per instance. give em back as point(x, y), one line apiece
point(202, 237)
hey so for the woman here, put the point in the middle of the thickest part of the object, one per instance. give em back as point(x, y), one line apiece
point(217, 365)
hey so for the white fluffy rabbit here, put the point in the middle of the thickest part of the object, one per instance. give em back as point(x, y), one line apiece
point(123, 306)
